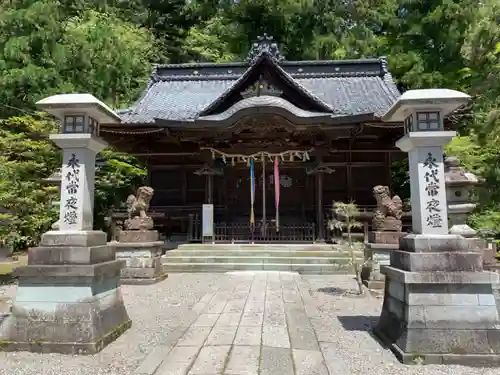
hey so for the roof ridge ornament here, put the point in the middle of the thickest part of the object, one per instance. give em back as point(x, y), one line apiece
point(261, 88)
point(265, 44)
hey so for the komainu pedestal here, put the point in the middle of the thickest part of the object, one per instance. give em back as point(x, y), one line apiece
point(138, 245)
point(439, 305)
point(387, 230)
point(68, 298)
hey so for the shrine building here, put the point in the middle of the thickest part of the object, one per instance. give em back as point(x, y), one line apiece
point(207, 130)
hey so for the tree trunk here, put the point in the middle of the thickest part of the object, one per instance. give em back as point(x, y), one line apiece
point(354, 261)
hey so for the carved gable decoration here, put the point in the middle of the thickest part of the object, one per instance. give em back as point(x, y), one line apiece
point(264, 44)
point(261, 88)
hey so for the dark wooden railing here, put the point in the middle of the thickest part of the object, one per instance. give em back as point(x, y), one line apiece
point(239, 231)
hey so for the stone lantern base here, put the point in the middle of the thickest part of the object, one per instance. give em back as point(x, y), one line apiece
point(68, 299)
point(439, 305)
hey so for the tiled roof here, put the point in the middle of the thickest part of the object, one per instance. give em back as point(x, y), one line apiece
point(181, 92)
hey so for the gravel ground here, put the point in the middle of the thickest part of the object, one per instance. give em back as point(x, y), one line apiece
point(344, 323)
point(156, 310)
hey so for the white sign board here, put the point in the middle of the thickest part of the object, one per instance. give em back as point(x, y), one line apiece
point(208, 220)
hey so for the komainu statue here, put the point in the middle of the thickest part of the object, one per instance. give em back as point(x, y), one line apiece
point(387, 215)
point(137, 208)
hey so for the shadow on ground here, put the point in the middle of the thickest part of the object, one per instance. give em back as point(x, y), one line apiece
point(335, 291)
point(358, 322)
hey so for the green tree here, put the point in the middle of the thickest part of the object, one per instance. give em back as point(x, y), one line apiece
point(345, 219)
point(44, 51)
point(26, 158)
point(107, 57)
point(117, 176)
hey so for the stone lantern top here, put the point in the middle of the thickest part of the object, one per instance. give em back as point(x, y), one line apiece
point(64, 104)
point(455, 175)
point(445, 100)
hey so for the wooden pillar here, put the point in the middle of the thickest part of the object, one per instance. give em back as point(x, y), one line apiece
point(319, 208)
point(349, 177)
point(209, 192)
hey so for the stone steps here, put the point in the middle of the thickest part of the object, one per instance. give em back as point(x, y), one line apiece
point(311, 259)
point(315, 269)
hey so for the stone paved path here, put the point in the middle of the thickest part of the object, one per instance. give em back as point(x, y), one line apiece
point(238, 324)
point(257, 324)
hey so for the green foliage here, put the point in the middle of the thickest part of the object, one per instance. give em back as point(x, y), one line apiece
point(344, 218)
point(26, 157)
point(117, 176)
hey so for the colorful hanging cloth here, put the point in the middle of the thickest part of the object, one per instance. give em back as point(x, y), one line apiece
point(277, 191)
point(252, 193)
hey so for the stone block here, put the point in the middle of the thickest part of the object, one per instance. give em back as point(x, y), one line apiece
point(69, 274)
point(388, 237)
point(448, 341)
point(76, 314)
point(442, 299)
point(138, 236)
point(74, 239)
point(435, 243)
point(439, 277)
point(52, 255)
point(397, 290)
point(428, 262)
point(461, 317)
point(142, 262)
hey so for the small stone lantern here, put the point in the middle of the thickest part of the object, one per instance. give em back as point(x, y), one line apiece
point(458, 184)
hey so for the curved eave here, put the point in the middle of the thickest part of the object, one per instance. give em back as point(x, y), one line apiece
point(326, 122)
point(265, 105)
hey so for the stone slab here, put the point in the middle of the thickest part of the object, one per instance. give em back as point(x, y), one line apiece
point(59, 255)
point(138, 236)
point(374, 284)
point(194, 336)
point(222, 335)
point(472, 360)
point(420, 243)
point(248, 335)
point(309, 362)
point(153, 360)
point(243, 360)
point(431, 262)
point(144, 281)
point(385, 237)
point(178, 361)
point(407, 277)
point(275, 336)
point(70, 273)
point(276, 361)
point(76, 238)
point(70, 348)
point(211, 360)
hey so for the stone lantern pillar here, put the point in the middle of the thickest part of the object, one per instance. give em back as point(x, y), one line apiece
point(439, 305)
point(68, 299)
